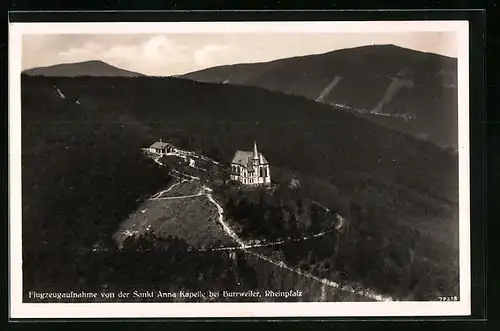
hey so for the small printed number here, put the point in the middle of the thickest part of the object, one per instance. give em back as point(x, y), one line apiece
point(455, 298)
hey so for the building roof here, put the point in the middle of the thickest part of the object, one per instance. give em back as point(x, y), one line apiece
point(159, 144)
point(244, 158)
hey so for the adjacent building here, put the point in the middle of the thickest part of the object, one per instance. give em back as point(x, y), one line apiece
point(162, 148)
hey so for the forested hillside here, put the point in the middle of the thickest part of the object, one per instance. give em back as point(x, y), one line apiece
point(412, 91)
point(84, 172)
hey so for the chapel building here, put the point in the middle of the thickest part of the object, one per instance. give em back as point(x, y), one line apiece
point(250, 168)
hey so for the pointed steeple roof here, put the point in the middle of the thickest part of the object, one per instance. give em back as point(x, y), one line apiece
point(255, 152)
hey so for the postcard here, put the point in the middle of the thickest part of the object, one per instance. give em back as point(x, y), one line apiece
point(239, 169)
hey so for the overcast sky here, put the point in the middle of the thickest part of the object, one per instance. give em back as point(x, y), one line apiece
point(173, 54)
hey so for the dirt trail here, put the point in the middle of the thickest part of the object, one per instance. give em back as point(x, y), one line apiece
point(281, 264)
point(245, 247)
point(159, 194)
point(273, 243)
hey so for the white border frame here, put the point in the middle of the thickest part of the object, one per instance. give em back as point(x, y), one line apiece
point(18, 309)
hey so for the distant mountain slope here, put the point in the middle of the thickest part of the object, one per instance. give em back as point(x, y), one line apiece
point(87, 68)
point(411, 91)
point(293, 131)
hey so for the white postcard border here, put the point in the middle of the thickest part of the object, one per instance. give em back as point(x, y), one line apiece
point(18, 309)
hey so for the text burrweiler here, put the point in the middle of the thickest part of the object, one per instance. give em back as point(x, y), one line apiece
point(267, 294)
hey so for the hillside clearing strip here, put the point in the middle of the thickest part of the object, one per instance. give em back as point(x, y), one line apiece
point(320, 205)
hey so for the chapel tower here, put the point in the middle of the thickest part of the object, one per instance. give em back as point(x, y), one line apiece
point(255, 160)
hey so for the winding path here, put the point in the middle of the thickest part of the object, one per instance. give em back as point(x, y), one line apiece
point(273, 243)
point(159, 194)
point(357, 290)
point(180, 197)
point(281, 264)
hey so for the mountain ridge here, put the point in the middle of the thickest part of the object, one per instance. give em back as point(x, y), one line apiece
point(319, 54)
point(411, 91)
point(84, 68)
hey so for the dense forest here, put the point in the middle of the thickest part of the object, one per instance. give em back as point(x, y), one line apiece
point(84, 172)
point(371, 247)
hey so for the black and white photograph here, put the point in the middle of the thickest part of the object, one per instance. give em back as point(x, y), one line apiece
point(239, 169)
